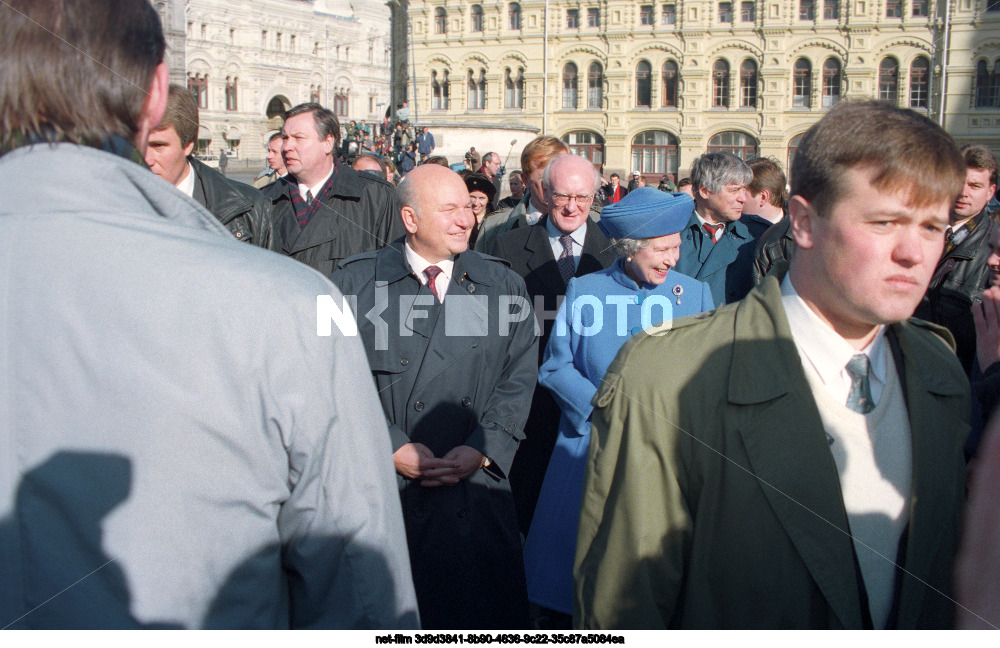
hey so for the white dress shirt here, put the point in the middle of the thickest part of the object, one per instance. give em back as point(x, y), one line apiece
point(829, 353)
point(418, 264)
point(579, 236)
point(314, 188)
point(187, 184)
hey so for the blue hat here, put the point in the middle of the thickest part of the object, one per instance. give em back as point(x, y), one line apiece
point(646, 213)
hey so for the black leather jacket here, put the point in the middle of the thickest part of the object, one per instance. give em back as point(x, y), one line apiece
point(774, 245)
point(242, 209)
point(959, 280)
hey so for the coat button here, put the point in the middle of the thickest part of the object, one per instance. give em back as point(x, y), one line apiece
point(404, 361)
point(418, 511)
point(462, 512)
point(419, 406)
point(239, 234)
point(466, 402)
point(471, 288)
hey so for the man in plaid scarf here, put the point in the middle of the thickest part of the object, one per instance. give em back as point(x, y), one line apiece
point(325, 211)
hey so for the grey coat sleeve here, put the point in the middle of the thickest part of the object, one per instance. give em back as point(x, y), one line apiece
point(343, 542)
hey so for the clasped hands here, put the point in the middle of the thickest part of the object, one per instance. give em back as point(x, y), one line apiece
point(416, 461)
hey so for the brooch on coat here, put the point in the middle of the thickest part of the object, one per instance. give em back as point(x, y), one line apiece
point(678, 291)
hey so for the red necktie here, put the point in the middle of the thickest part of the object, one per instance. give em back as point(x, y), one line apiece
point(712, 230)
point(432, 272)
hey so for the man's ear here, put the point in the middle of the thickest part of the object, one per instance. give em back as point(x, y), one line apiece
point(188, 149)
point(154, 106)
point(703, 192)
point(802, 217)
point(329, 144)
point(409, 216)
point(764, 197)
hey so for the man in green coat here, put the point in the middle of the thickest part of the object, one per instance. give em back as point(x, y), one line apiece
point(799, 465)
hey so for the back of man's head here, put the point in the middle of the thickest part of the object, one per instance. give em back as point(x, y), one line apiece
point(978, 156)
point(540, 151)
point(326, 122)
point(76, 71)
point(715, 170)
point(181, 114)
point(904, 150)
point(767, 175)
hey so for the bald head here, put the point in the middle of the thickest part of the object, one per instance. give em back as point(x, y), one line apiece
point(436, 212)
point(566, 166)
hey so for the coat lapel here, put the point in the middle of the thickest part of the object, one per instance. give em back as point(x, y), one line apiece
point(447, 345)
point(540, 260)
point(787, 448)
point(933, 491)
point(597, 251)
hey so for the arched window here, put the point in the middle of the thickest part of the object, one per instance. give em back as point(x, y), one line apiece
point(231, 93)
point(586, 144)
point(748, 84)
point(831, 82)
point(514, 16)
point(440, 21)
point(793, 146)
point(477, 90)
point(920, 82)
point(513, 89)
point(436, 91)
point(720, 84)
point(644, 84)
point(198, 85)
point(670, 84)
point(445, 92)
point(341, 102)
point(569, 86)
point(477, 18)
point(982, 85)
point(739, 144)
point(802, 84)
point(655, 152)
point(888, 80)
point(595, 86)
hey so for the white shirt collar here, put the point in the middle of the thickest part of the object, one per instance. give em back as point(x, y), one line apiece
point(187, 184)
point(418, 264)
point(703, 222)
point(578, 235)
point(532, 214)
point(316, 187)
point(826, 351)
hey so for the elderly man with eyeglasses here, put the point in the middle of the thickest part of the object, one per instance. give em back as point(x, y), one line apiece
point(564, 244)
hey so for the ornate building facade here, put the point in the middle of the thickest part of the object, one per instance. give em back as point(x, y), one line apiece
point(650, 86)
point(247, 61)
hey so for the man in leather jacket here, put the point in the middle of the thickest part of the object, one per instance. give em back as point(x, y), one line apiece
point(241, 208)
point(962, 273)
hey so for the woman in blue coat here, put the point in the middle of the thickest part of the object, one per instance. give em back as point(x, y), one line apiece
point(600, 312)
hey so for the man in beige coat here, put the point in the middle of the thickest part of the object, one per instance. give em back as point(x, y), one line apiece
point(799, 464)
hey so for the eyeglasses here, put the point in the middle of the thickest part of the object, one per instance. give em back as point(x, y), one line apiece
point(562, 200)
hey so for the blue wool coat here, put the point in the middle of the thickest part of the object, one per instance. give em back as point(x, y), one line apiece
point(727, 266)
point(588, 331)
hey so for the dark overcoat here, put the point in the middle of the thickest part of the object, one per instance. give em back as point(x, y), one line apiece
point(453, 374)
point(358, 214)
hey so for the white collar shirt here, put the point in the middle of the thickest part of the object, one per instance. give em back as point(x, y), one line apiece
point(577, 237)
point(827, 352)
point(187, 184)
point(314, 188)
point(418, 264)
point(718, 233)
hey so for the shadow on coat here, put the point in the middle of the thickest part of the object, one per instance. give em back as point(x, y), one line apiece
point(69, 582)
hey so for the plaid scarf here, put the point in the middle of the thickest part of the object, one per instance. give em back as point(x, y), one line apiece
point(304, 211)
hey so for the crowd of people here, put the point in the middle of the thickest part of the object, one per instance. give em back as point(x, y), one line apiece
point(370, 394)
